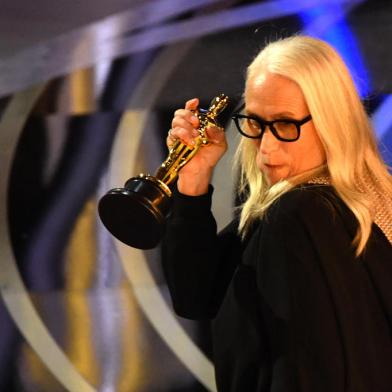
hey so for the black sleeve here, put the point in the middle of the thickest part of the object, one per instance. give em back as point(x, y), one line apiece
point(198, 264)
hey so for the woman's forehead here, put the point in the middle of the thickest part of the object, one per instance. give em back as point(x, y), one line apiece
point(271, 92)
point(269, 82)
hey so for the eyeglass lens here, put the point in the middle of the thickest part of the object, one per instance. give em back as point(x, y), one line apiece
point(285, 130)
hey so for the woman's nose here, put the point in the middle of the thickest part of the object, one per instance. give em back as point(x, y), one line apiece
point(269, 142)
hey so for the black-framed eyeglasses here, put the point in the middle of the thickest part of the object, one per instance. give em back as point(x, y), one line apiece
point(254, 127)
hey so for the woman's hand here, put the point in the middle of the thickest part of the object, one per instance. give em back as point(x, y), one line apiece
point(195, 176)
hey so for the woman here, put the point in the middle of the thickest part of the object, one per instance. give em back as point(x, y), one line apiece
point(299, 287)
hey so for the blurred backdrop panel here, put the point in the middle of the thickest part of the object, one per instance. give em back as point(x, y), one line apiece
point(87, 93)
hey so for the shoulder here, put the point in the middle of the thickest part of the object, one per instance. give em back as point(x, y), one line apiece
point(306, 200)
point(308, 208)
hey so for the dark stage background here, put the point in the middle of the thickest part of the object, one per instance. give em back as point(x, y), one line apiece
point(87, 92)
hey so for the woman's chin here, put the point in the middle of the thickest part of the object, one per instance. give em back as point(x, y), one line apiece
point(274, 174)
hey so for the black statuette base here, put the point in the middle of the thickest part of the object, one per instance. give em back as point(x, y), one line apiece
point(136, 214)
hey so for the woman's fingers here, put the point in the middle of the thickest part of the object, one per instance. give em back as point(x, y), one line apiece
point(184, 124)
point(187, 115)
point(184, 121)
point(192, 104)
point(184, 133)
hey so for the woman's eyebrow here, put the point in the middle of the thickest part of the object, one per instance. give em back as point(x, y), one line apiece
point(284, 114)
point(274, 116)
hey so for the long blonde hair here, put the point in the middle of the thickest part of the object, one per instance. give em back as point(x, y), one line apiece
point(353, 161)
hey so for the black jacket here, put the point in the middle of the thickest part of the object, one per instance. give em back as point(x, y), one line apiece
point(292, 308)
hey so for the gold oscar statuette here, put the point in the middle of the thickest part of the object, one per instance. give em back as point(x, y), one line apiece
point(136, 213)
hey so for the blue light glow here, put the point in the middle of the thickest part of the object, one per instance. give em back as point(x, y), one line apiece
point(327, 21)
point(382, 118)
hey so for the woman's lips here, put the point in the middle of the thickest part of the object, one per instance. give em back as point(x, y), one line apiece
point(274, 166)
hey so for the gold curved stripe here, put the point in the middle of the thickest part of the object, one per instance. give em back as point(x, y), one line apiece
point(79, 272)
point(135, 369)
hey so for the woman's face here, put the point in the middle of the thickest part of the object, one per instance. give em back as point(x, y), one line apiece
point(273, 97)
